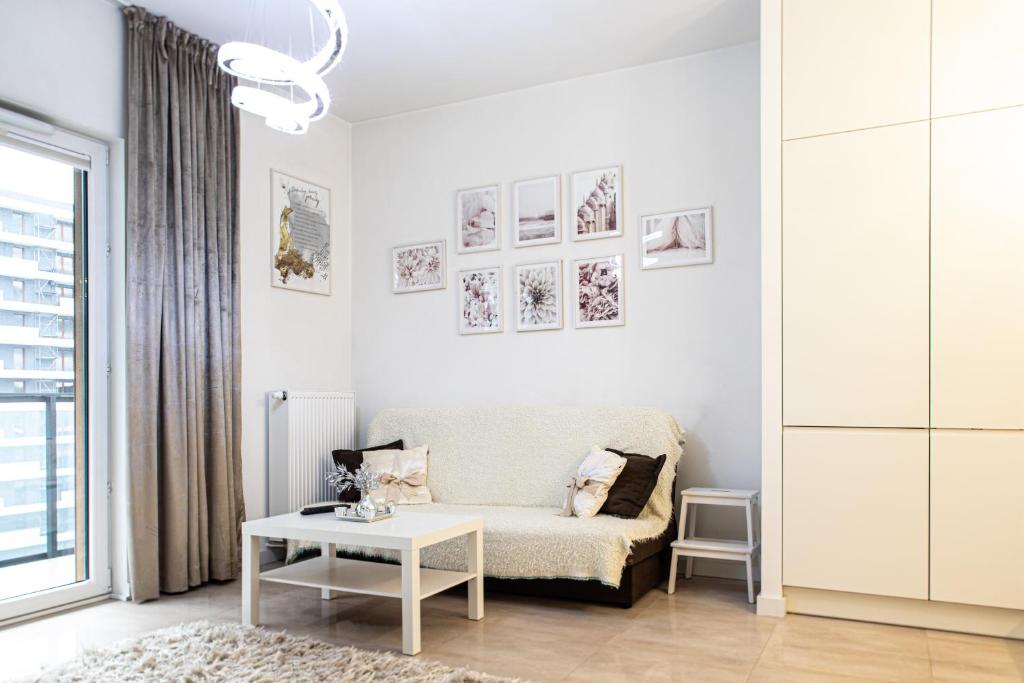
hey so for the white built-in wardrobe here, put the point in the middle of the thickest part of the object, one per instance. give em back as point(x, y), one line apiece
point(902, 310)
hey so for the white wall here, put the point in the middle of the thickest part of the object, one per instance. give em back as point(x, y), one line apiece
point(687, 134)
point(64, 59)
point(290, 340)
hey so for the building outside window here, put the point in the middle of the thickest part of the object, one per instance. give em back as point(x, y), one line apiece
point(37, 358)
point(15, 224)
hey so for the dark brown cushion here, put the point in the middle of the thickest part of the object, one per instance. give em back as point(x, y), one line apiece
point(351, 460)
point(631, 491)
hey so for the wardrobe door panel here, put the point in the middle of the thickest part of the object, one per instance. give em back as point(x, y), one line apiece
point(855, 284)
point(850, 64)
point(977, 55)
point(978, 270)
point(855, 510)
point(978, 518)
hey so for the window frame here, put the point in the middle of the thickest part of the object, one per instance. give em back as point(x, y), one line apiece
point(92, 375)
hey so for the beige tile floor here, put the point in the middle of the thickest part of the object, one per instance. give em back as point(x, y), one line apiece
point(705, 632)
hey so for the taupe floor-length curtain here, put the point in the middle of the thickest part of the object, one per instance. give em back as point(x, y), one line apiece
point(184, 459)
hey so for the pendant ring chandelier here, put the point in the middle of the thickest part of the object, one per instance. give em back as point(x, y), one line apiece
point(264, 66)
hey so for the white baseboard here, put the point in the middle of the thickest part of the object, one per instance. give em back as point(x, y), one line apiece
point(771, 606)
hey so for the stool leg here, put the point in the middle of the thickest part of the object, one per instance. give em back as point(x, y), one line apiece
point(750, 581)
point(751, 539)
point(750, 526)
point(693, 532)
point(672, 572)
point(757, 519)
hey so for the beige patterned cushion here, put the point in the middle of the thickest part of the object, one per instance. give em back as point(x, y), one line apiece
point(405, 475)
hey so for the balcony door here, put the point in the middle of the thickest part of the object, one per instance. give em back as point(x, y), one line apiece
point(53, 377)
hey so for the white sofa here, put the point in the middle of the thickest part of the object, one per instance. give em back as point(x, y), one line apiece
point(510, 466)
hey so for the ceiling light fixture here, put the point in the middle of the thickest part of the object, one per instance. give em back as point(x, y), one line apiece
point(267, 67)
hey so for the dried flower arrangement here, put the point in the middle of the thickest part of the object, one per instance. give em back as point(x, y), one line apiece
point(364, 479)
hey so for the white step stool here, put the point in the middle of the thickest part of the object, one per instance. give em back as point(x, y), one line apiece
point(694, 546)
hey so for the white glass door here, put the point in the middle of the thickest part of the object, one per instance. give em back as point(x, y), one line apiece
point(53, 380)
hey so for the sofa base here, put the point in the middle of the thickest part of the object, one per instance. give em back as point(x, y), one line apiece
point(637, 579)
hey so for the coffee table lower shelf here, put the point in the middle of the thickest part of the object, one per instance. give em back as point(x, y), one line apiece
point(358, 576)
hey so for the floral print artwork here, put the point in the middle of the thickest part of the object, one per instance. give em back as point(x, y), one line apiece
point(539, 295)
point(418, 267)
point(599, 292)
point(480, 300)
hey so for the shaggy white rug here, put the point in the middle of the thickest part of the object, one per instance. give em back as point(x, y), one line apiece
point(202, 652)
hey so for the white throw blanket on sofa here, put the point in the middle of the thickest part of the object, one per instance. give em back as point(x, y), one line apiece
point(510, 467)
point(536, 543)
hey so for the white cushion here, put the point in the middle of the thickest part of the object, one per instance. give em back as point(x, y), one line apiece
point(588, 489)
point(405, 475)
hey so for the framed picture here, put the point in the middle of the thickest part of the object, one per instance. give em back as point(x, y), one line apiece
point(677, 238)
point(418, 267)
point(480, 301)
point(477, 216)
point(599, 295)
point(537, 212)
point(596, 204)
point(538, 289)
point(300, 235)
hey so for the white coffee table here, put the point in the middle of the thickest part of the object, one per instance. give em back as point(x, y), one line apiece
point(408, 532)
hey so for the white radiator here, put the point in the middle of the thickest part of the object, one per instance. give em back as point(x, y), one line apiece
point(303, 428)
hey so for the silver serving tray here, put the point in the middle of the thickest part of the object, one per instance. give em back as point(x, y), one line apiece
point(363, 520)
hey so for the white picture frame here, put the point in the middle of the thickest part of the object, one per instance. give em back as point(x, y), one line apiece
point(481, 304)
point(587, 310)
point(533, 284)
point(676, 238)
point(591, 220)
point(419, 267)
point(478, 219)
point(536, 211)
point(300, 234)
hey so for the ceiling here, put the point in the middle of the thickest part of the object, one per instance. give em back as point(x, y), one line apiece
point(411, 54)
